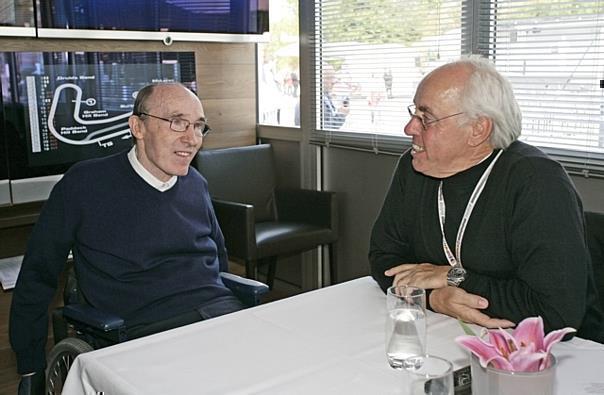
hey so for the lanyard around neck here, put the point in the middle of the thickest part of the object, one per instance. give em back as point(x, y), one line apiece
point(455, 260)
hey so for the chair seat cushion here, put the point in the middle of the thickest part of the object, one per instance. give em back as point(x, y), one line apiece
point(275, 238)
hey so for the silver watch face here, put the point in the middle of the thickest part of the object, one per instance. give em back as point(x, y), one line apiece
point(456, 275)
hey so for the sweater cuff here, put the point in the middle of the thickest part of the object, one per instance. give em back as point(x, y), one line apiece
point(428, 292)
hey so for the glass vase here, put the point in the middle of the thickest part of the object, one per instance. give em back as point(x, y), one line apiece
point(492, 381)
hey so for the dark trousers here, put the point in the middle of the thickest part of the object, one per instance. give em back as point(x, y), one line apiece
point(220, 306)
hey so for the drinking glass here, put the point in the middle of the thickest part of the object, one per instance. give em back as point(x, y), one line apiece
point(428, 374)
point(405, 323)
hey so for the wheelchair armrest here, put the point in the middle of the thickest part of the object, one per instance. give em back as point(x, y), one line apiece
point(237, 223)
point(247, 290)
point(92, 317)
point(307, 206)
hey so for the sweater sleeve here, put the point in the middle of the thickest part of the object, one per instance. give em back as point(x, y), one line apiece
point(44, 260)
point(389, 244)
point(545, 237)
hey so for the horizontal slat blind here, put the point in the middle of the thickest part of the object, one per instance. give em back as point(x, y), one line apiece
point(365, 42)
point(552, 52)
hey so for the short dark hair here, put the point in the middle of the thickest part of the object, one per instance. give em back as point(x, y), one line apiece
point(142, 97)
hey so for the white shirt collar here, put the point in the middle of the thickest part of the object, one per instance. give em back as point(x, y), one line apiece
point(147, 176)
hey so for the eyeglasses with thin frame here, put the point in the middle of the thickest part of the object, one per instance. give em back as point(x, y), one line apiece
point(180, 125)
point(419, 114)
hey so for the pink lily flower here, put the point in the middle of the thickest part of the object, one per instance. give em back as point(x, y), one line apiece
point(526, 349)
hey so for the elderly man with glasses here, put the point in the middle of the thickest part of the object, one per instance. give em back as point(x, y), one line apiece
point(145, 240)
point(490, 226)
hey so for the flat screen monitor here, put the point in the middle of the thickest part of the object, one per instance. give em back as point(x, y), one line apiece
point(196, 16)
point(62, 107)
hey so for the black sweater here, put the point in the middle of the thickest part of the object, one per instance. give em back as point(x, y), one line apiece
point(524, 247)
point(142, 254)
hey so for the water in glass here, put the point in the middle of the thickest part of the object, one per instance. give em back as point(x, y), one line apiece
point(405, 334)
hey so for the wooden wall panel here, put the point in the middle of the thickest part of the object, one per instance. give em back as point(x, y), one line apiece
point(225, 53)
point(231, 139)
point(226, 81)
point(230, 114)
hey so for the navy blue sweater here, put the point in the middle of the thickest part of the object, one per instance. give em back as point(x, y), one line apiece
point(142, 254)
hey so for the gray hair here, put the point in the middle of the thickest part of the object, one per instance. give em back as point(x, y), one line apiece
point(487, 93)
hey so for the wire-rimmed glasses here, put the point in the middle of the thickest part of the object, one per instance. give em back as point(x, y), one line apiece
point(201, 128)
point(426, 121)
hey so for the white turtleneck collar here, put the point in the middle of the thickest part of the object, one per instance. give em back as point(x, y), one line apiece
point(147, 176)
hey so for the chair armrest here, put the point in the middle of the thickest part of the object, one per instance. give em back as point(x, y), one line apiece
point(236, 221)
point(92, 317)
point(307, 206)
point(247, 290)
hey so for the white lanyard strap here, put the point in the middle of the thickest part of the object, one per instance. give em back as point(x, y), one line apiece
point(455, 260)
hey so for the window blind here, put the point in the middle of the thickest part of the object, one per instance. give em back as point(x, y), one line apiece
point(553, 54)
point(551, 51)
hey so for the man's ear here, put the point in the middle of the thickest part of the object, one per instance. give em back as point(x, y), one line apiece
point(481, 131)
point(134, 123)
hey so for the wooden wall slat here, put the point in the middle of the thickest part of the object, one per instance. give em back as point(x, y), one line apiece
point(226, 81)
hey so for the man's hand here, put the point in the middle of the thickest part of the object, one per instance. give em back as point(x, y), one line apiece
point(422, 275)
point(32, 384)
point(457, 303)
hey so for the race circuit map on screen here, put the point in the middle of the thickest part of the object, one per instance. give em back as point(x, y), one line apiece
point(84, 126)
point(63, 107)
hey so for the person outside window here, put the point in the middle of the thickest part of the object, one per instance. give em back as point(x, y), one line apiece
point(334, 112)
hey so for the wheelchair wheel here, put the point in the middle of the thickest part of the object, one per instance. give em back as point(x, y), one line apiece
point(60, 359)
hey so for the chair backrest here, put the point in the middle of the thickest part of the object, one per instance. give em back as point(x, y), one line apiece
point(594, 223)
point(241, 174)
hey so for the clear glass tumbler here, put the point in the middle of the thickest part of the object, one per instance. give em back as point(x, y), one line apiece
point(428, 374)
point(405, 324)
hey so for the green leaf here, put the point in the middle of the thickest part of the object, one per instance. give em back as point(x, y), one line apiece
point(466, 328)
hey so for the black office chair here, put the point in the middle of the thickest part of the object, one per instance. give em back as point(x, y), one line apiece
point(79, 327)
point(594, 225)
point(260, 221)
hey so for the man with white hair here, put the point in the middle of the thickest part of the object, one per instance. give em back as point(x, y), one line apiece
point(490, 226)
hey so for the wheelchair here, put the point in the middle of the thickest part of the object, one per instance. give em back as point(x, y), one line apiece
point(78, 327)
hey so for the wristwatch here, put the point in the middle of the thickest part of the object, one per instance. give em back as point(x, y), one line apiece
point(456, 275)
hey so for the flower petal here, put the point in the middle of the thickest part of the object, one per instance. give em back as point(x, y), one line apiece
point(530, 330)
point(499, 362)
point(503, 341)
point(555, 336)
point(525, 360)
point(483, 350)
point(547, 362)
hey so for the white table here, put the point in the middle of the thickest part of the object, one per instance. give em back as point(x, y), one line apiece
point(329, 341)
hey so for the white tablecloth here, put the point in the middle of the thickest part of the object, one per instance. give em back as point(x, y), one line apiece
point(329, 341)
